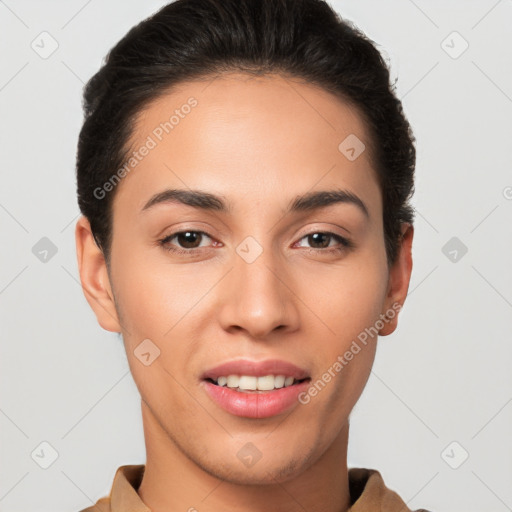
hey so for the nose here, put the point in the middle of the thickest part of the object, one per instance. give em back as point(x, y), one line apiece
point(257, 297)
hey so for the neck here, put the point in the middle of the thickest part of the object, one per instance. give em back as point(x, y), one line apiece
point(173, 481)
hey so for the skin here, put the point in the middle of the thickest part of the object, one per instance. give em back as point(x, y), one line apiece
point(258, 143)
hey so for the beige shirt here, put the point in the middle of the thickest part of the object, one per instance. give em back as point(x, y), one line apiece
point(367, 491)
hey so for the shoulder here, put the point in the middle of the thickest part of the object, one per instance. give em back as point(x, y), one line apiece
point(102, 505)
point(123, 491)
point(368, 492)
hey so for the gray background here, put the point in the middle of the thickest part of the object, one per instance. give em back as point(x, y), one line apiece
point(441, 387)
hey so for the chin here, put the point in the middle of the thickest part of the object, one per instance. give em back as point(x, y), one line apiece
point(263, 471)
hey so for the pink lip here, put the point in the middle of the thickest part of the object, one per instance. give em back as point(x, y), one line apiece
point(255, 405)
point(256, 368)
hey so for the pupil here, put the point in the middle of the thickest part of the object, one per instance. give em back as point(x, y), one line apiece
point(188, 243)
point(315, 236)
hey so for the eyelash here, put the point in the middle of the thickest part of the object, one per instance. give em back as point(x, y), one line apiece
point(345, 243)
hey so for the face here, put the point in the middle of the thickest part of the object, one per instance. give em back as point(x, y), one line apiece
point(251, 274)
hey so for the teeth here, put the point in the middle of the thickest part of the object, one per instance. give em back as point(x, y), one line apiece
point(252, 383)
point(288, 381)
point(232, 381)
point(279, 381)
point(247, 382)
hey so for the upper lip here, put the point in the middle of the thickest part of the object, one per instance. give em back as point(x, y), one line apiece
point(256, 369)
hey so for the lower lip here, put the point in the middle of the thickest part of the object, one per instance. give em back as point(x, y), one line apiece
point(255, 405)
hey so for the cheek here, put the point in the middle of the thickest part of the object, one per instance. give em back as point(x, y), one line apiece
point(151, 298)
point(347, 299)
point(160, 303)
point(348, 306)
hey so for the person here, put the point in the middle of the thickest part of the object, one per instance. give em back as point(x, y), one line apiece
point(244, 172)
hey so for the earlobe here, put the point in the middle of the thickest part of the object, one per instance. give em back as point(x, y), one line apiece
point(94, 277)
point(399, 278)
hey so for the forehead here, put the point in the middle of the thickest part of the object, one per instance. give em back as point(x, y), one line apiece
point(243, 136)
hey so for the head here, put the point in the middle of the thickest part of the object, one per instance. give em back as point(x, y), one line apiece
point(259, 105)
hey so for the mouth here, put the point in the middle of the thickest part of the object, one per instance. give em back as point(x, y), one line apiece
point(255, 403)
point(256, 389)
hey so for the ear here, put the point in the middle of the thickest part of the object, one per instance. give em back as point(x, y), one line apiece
point(398, 284)
point(94, 277)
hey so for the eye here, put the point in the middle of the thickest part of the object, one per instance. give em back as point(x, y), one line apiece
point(189, 241)
point(323, 240)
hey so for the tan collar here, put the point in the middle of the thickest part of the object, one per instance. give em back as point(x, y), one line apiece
point(367, 490)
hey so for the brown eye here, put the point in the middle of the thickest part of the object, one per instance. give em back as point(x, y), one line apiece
point(188, 239)
point(319, 240)
point(187, 242)
point(322, 240)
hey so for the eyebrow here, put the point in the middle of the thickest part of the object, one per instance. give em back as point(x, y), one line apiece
point(207, 201)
